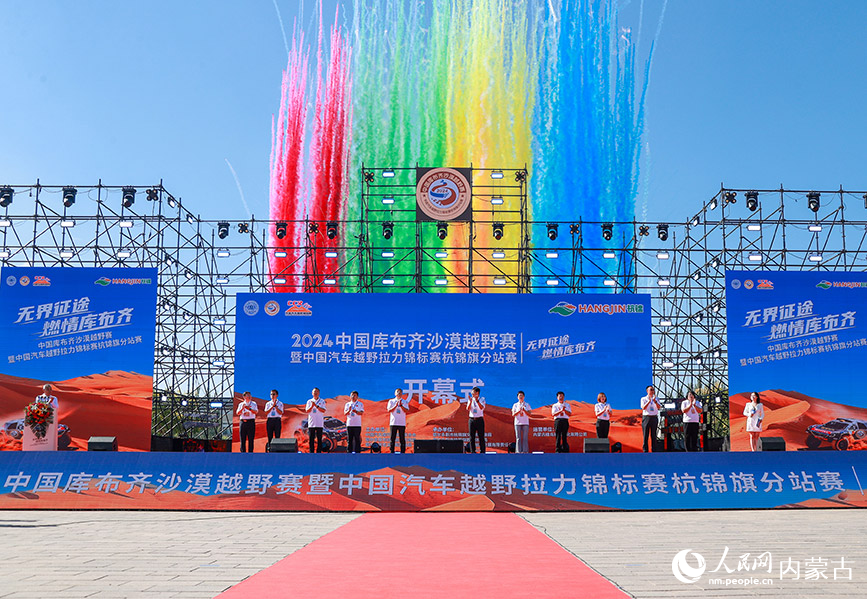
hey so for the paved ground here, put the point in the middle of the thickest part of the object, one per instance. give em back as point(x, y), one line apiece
point(67, 555)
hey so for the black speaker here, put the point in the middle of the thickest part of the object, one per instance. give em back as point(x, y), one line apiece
point(426, 446)
point(102, 444)
point(451, 446)
point(161, 443)
point(596, 445)
point(772, 444)
point(717, 444)
point(289, 445)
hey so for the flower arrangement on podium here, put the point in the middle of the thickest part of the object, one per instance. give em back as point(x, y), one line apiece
point(38, 415)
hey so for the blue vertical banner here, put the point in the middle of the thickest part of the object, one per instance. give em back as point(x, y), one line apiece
point(799, 339)
point(89, 332)
point(437, 347)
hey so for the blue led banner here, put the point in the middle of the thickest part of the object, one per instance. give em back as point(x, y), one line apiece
point(799, 339)
point(90, 333)
point(503, 482)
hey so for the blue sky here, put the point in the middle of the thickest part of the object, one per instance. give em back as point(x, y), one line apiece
point(753, 94)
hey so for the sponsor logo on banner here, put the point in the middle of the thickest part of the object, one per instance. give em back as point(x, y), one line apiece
point(41, 281)
point(443, 194)
point(764, 284)
point(736, 283)
point(10, 280)
point(272, 308)
point(251, 308)
point(823, 284)
point(563, 309)
point(298, 308)
point(748, 284)
point(102, 281)
point(25, 281)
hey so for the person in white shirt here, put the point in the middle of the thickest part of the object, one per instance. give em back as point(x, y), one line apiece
point(353, 411)
point(46, 397)
point(397, 409)
point(476, 408)
point(247, 411)
point(755, 413)
point(603, 416)
point(274, 423)
point(521, 413)
point(315, 409)
point(649, 417)
point(691, 408)
point(561, 411)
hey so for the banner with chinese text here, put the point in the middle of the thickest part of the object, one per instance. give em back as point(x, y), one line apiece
point(89, 332)
point(436, 347)
point(798, 339)
point(384, 482)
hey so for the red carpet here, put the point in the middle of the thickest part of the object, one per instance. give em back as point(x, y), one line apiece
point(430, 555)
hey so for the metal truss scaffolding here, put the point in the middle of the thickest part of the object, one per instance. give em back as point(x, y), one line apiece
point(203, 263)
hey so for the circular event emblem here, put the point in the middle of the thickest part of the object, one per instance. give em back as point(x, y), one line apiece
point(251, 308)
point(736, 283)
point(748, 284)
point(271, 308)
point(10, 280)
point(25, 281)
point(443, 193)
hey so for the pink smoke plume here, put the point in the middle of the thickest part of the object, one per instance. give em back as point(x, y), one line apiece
point(328, 167)
point(287, 166)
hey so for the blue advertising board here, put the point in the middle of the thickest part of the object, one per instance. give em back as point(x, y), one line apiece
point(800, 340)
point(438, 346)
point(90, 333)
point(384, 482)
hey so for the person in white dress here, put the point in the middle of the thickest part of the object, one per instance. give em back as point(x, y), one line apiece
point(755, 413)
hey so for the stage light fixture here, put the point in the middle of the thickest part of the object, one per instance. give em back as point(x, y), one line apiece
point(243, 228)
point(730, 197)
point(313, 228)
point(442, 230)
point(662, 232)
point(496, 174)
point(173, 203)
point(574, 229)
point(607, 231)
point(553, 229)
point(752, 200)
point(280, 230)
point(520, 176)
point(712, 204)
point(643, 231)
point(387, 229)
point(69, 196)
point(222, 229)
point(813, 201)
point(388, 173)
point(498, 231)
point(368, 177)
point(331, 229)
point(152, 195)
point(128, 196)
point(6, 194)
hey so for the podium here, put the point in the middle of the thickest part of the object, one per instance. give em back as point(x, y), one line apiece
point(30, 442)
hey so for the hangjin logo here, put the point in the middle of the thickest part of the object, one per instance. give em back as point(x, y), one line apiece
point(563, 309)
point(683, 571)
point(103, 281)
point(824, 284)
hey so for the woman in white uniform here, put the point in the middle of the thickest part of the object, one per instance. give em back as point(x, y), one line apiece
point(755, 413)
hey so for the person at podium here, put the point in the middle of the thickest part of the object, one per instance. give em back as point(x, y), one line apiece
point(48, 398)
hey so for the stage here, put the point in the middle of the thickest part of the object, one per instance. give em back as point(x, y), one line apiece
point(437, 482)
